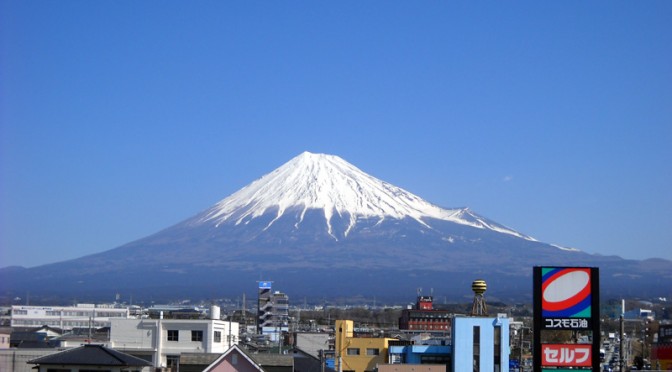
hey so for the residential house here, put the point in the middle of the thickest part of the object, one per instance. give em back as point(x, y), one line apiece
point(236, 359)
point(90, 358)
point(306, 362)
point(313, 343)
point(197, 362)
point(34, 338)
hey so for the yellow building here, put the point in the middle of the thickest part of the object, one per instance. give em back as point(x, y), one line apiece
point(358, 354)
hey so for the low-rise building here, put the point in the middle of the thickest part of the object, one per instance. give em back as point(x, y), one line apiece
point(475, 342)
point(423, 317)
point(430, 353)
point(90, 358)
point(358, 354)
point(412, 368)
point(661, 349)
point(237, 359)
point(5, 334)
point(66, 317)
point(313, 343)
point(34, 338)
point(162, 341)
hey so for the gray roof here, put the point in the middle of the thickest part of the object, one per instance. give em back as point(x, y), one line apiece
point(267, 360)
point(199, 358)
point(90, 355)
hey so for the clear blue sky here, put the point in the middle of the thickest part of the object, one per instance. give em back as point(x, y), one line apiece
point(121, 118)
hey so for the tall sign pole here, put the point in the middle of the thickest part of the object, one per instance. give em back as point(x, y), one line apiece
point(566, 298)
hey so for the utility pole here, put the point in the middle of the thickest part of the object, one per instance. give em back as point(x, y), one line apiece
point(621, 337)
point(322, 361)
point(520, 355)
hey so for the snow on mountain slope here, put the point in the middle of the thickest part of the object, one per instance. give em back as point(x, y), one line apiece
point(329, 183)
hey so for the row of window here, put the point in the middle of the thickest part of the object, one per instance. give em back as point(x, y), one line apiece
point(369, 351)
point(57, 323)
point(196, 336)
point(429, 314)
point(425, 326)
point(99, 314)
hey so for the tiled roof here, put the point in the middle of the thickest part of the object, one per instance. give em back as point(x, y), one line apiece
point(97, 355)
point(199, 358)
point(277, 360)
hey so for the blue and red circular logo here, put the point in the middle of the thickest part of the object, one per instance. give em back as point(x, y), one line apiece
point(565, 293)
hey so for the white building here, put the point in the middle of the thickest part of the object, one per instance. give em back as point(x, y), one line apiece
point(66, 317)
point(161, 341)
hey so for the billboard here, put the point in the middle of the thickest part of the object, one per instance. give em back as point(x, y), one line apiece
point(566, 355)
point(566, 298)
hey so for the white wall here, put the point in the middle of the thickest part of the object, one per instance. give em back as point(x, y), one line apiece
point(66, 317)
point(129, 335)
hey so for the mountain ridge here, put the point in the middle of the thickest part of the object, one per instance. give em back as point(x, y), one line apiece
point(318, 225)
point(329, 183)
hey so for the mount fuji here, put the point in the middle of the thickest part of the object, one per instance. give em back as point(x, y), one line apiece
point(319, 226)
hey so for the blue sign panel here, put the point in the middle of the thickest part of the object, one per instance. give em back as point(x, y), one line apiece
point(265, 285)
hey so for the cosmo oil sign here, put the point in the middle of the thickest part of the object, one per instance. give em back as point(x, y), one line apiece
point(566, 298)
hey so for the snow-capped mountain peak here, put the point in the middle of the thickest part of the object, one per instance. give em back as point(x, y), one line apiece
point(330, 184)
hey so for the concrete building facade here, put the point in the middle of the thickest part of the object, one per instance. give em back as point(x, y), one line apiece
point(66, 317)
point(358, 354)
point(424, 317)
point(480, 344)
point(161, 341)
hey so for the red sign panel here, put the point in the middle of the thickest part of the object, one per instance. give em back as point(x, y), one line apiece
point(566, 355)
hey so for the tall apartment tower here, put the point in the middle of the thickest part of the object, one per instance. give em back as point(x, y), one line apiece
point(264, 305)
point(273, 309)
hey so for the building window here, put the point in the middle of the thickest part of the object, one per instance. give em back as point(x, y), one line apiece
point(372, 351)
point(477, 348)
point(196, 335)
point(218, 336)
point(173, 335)
point(173, 362)
point(353, 351)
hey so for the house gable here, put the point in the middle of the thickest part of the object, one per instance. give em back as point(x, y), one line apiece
point(234, 360)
